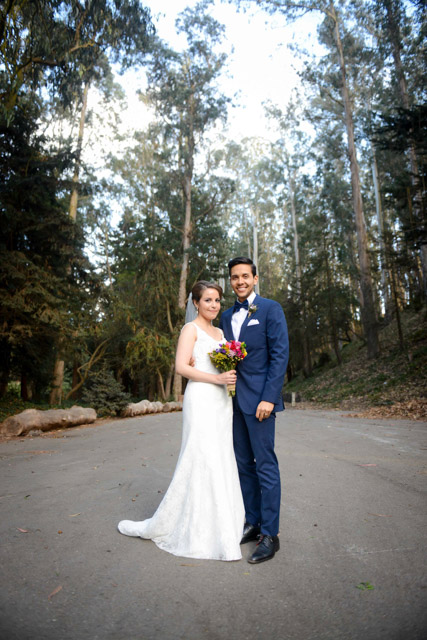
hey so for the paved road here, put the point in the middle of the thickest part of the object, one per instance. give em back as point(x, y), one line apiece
point(353, 512)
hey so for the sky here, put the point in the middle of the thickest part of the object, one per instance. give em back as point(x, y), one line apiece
point(260, 66)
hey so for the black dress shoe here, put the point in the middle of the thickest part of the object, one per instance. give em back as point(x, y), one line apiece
point(265, 549)
point(250, 532)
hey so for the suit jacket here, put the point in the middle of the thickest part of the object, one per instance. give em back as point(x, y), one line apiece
point(260, 375)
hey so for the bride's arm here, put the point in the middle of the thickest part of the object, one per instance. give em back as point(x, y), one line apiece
point(184, 352)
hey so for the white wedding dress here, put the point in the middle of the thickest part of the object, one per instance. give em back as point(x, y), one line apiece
point(202, 513)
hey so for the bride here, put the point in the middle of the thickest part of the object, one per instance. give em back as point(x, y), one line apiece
point(202, 513)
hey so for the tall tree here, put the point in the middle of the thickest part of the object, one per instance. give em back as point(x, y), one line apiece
point(57, 49)
point(183, 90)
point(182, 87)
point(46, 282)
point(398, 38)
point(334, 36)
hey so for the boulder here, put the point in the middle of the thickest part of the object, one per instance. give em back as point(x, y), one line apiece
point(31, 419)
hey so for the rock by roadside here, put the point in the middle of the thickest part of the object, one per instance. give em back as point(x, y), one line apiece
point(31, 419)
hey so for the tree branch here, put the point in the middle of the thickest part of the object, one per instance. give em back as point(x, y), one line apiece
point(96, 355)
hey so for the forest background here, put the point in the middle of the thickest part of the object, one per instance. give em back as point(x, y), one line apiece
point(100, 248)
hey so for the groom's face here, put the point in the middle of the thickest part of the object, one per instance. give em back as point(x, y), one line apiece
point(242, 281)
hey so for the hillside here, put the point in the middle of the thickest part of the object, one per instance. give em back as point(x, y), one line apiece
point(393, 385)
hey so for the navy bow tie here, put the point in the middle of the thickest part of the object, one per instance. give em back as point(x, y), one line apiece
point(240, 305)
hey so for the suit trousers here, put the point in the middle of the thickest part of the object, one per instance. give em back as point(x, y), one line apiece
point(258, 469)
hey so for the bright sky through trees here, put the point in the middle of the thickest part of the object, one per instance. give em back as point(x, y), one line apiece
point(261, 66)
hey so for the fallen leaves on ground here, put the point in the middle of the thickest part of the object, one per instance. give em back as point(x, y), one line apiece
point(54, 592)
point(415, 409)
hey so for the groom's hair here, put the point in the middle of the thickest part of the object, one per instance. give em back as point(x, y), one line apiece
point(235, 261)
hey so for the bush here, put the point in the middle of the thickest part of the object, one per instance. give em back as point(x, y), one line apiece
point(324, 358)
point(105, 394)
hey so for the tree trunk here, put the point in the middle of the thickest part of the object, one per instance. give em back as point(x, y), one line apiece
point(186, 232)
point(381, 234)
point(168, 385)
point(96, 355)
point(397, 309)
point(58, 371)
point(255, 244)
point(182, 294)
point(307, 366)
point(5, 353)
point(248, 240)
point(186, 240)
point(58, 377)
point(335, 342)
point(75, 382)
point(424, 265)
point(151, 389)
point(107, 261)
point(75, 193)
point(367, 310)
point(24, 386)
point(160, 386)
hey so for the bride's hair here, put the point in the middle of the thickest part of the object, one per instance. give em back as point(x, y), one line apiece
point(202, 285)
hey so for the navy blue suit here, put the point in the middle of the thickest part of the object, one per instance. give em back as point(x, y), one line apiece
point(259, 377)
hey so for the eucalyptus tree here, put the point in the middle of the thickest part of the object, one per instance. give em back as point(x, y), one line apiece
point(337, 37)
point(290, 155)
point(146, 252)
point(253, 210)
point(183, 89)
point(400, 38)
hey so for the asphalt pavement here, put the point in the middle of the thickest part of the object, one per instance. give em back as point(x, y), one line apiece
point(352, 563)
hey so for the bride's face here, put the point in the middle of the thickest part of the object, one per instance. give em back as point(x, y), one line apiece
point(209, 304)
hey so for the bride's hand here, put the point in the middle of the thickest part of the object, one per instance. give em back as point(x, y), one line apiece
point(228, 377)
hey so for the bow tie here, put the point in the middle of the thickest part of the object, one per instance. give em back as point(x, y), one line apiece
point(240, 305)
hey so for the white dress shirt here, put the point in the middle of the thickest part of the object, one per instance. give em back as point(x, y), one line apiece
point(239, 317)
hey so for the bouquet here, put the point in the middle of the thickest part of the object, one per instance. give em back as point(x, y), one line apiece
point(226, 357)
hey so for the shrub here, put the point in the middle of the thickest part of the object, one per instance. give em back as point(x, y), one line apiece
point(105, 394)
point(324, 358)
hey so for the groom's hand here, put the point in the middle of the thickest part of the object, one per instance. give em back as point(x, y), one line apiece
point(192, 362)
point(263, 410)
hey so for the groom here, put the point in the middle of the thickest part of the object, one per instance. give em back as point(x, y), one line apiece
point(261, 324)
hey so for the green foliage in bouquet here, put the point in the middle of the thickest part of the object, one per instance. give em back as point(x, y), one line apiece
point(104, 394)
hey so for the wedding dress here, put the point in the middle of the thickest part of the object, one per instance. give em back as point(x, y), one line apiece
point(202, 513)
